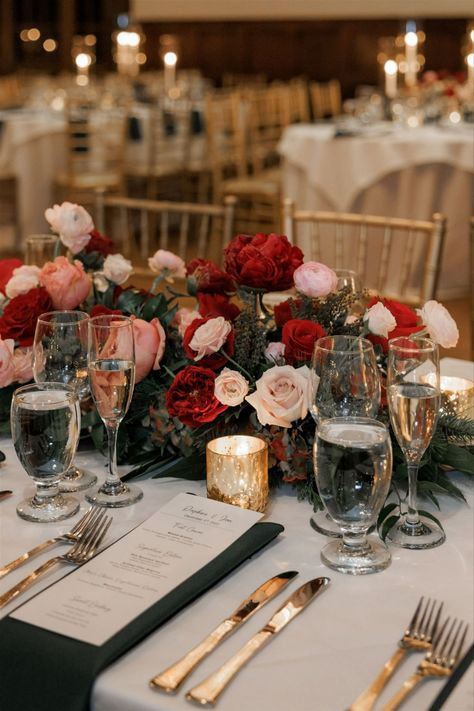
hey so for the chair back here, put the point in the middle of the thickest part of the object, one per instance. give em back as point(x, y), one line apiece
point(11, 95)
point(325, 99)
point(394, 257)
point(471, 252)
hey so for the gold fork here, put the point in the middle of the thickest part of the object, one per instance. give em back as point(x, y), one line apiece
point(417, 638)
point(80, 553)
point(439, 661)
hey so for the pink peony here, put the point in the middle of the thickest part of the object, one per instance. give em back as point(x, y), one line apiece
point(73, 224)
point(23, 279)
point(439, 323)
point(66, 283)
point(116, 268)
point(162, 259)
point(379, 320)
point(183, 318)
point(7, 368)
point(314, 279)
point(150, 341)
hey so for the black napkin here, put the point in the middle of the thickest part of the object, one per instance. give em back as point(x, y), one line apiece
point(44, 671)
point(453, 680)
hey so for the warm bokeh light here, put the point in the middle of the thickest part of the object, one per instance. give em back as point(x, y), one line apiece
point(90, 40)
point(83, 60)
point(170, 59)
point(128, 39)
point(33, 34)
point(49, 45)
point(141, 58)
point(470, 59)
point(390, 67)
point(411, 39)
point(24, 35)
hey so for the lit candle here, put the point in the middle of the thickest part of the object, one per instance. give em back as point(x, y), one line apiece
point(128, 44)
point(391, 71)
point(457, 396)
point(170, 59)
point(411, 46)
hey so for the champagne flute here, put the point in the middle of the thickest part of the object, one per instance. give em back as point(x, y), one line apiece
point(60, 355)
point(344, 382)
point(45, 421)
point(413, 390)
point(112, 377)
point(353, 466)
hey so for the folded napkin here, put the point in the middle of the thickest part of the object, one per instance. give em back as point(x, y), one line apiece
point(44, 671)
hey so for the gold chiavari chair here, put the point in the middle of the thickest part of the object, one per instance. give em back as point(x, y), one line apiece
point(397, 258)
point(325, 99)
point(188, 229)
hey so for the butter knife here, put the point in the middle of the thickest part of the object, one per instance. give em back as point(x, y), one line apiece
point(5, 494)
point(207, 693)
point(170, 679)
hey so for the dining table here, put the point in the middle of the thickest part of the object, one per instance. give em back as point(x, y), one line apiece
point(391, 170)
point(322, 660)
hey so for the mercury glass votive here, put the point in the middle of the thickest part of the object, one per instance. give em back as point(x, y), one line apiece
point(237, 471)
point(457, 396)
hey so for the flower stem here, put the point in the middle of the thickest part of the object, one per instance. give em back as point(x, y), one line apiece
point(231, 360)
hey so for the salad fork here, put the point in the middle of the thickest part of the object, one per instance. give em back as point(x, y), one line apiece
point(79, 554)
point(71, 536)
point(439, 661)
point(417, 638)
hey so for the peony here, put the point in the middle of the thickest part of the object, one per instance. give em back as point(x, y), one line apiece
point(7, 368)
point(217, 305)
point(191, 397)
point(73, 224)
point(439, 323)
point(100, 282)
point(116, 268)
point(99, 243)
point(299, 337)
point(22, 365)
point(150, 341)
point(19, 317)
point(206, 277)
point(263, 261)
point(314, 279)
point(163, 260)
point(7, 267)
point(184, 318)
point(281, 395)
point(275, 351)
point(230, 387)
point(379, 320)
point(24, 278)
point(205, 337)
point(66, 283)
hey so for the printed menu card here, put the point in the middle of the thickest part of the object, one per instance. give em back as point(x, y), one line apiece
point(104, 595)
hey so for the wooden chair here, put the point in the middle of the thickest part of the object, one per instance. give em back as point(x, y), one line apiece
point(471, 250)
point(188, 229)
point(394, 257)
point(9, 223)
point(325, 99)
point(11, 95)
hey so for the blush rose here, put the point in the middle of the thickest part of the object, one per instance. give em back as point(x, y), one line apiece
point(281, 395)
point(150, 342)
point(23, 279)
point(379, 320)
point(205, 337)
point(439, 323)
point(164, 260)
point(67, 283)
point(230, 387)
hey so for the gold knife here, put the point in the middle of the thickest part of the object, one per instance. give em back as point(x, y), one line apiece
point(5, 494)
point(170, 679)
point(207, 692)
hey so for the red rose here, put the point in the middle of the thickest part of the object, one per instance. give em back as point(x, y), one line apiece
point(191, 397)
point(100, 243)
point(263, 261)
point(299, 337)
point(208, 278)
point(21, 313)
point(217, 305)
point(283, 312)
point(6, 271)
point(101, 310)
point(406, 318)
point(214, 360)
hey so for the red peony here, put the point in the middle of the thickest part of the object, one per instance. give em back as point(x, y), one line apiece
point(213, 360)
point(263, 261)
point(299, 337)
point(206, 277)
point(283, 312)
point(191, 397)
point(406, 318)
point(6, 271)
point(21, 313)
point(217, 305)
point(100, 243)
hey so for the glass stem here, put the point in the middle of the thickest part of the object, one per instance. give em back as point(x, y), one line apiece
point(412, 517)
point(112, 476)
point(355, 543)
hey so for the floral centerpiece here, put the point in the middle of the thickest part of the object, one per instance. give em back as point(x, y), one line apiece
point(226, 365)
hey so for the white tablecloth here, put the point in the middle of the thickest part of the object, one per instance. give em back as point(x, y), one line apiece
point(394, 172)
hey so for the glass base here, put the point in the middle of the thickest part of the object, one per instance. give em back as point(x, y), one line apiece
point(115, 496)
point(373, 558)
point(424, 534)
point(323, 523)
point(55, 508)
point(77, 480)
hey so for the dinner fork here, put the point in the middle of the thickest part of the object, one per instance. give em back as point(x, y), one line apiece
point(439, 661)
point(80, 553)
point(417, 638)
point(71, 536)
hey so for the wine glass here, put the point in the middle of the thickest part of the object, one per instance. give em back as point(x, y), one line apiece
point(344, 382)
point(60, 355)
point(45, 422)
point(413, 390)
point(112, 378)
point(40, 249)
point(353, 466)
point(348, 279)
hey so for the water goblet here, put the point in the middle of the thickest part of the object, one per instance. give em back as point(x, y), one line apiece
point(111, 361)
point(45, 422)
point(344, 382)
point(353, 466)
point(348, 279)
point(40, 249)
point(60, 355)
point(413, 391)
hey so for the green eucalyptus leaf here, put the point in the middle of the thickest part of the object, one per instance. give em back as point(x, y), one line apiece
point(385, 512)
point(431, 517)
point(388, 524)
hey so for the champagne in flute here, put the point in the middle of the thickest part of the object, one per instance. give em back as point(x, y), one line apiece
point(112, 383)
point(414, 412)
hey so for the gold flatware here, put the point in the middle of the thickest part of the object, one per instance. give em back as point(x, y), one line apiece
point(79, 554)
point(5, 493)
point(439, 661)
point(417, 638)
point(72, 536)
point(170, 679)
point(208, 691)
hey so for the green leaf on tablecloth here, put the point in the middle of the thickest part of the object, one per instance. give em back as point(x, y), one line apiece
point(459, 458)
point(431, 517)
point(387, 525)
point(386, 511)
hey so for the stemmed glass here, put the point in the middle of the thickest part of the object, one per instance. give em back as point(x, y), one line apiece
point(45, 422)
point(353, 466)
point(413, 389)
point(60, 355)
point(344, 382)
point(40, 249)
point(112, 378)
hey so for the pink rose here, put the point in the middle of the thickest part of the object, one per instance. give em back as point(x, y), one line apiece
point(183, 317)
point(73, 224)
point(439, 323)
point(210, 337)
point(230, 387)
point(23, 279)
point(275, 351)
point(22, 364)
point(7, 369)
point(379, 320)
point(164, 260)
point(281, 395)
point(150, 342)
point(66, 283)
point(314, 279)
